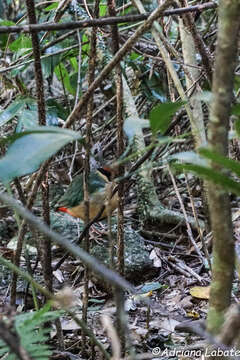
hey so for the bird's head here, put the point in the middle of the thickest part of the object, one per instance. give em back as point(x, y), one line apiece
point(107, 173)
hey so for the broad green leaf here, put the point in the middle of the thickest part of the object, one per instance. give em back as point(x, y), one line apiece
point(227, 163)
point(7, 23)
point(85, 40)
point(63, 75)
point(10, 139)
point(53, 6)
point(51, 118)
point(73, 79)
point(103, 9)
point(96, 301)
point(160, 116)
point(135, 56)
point(49, 63)
point(189, 157)
point(31, 148)
point(21, 45)
point(58, 109)
point(11, 111)
point(134, 125)
point(3, 36)
point(74, 63)
point(19, 70)
point(216, 177)
point(28, 119)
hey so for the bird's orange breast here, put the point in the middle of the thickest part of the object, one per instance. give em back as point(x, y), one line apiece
point(95, 205)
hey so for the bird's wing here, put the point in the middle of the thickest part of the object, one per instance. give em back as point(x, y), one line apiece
point(74, 193)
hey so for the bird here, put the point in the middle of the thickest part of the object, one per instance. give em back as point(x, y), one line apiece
point(100, 187)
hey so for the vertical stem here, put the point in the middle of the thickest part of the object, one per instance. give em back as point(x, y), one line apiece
point(86, 245)
point(219, 202)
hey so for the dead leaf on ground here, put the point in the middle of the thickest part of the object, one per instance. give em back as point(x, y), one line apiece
point(200, 292)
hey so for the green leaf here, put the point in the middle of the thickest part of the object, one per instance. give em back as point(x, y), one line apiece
point(188, 157)
point(58, 109)
point(85, 39)
point(32, 334)
point(96, 301)
point(53, 6)
point(160, 116)
point(31, 148)
point(236, 110)
point(227, 163)
point(21, 45)
point(11, 111)
point(7, 23)
point(216, 177)
point(63, 75)
point(27, 120)
point(49, 63)
point(135, 56)
point(74, 63)
point(4, 37)
point(134, 125)
point(103, 9)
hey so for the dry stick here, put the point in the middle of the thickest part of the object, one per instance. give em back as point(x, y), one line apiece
point(203, 51)
point(90, 334)
point(179, 269)
point(118, 294)
point(120, 150)
point(181, 265)
point(45, 243)
point(77, 92)
point(86, 244)
point(20, 191)
point(189, 230)
point(103, 21)
point(200, 231)
point(112, 335)
point(118, 84)
point(23, 228)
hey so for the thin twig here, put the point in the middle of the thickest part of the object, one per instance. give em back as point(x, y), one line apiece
point(189, 230)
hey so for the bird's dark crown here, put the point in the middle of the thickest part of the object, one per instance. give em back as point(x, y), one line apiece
point(106, 172)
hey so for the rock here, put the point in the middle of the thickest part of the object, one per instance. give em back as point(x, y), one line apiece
point(138, 266)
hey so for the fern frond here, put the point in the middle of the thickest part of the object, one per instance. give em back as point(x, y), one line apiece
point(32, 335)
